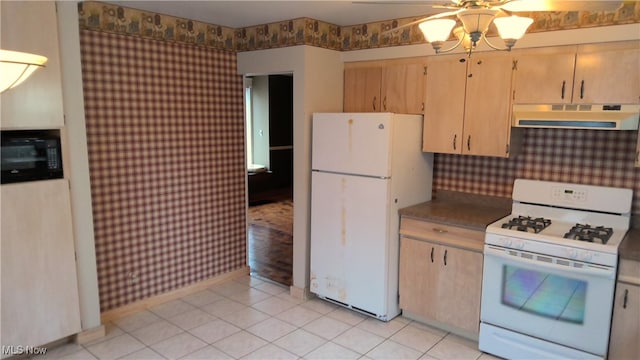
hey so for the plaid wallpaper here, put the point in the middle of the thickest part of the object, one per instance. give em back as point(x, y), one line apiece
point(165, 132)
point(593, 157)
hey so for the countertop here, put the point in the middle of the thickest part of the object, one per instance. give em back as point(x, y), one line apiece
point(630, 246)
point(475, 212)
point(460, 209)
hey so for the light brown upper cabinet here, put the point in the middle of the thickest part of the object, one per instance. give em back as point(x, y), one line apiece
point(467, 104)
point(362, 85)
point(544, 76)
point(585, 74)
point(607, 74)
point(395, 86)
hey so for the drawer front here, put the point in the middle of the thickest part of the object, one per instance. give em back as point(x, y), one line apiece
point(629, 271)
point(441, 233)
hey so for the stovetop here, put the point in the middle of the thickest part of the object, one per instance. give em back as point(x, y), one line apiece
point(580, 232)
point(570, 221)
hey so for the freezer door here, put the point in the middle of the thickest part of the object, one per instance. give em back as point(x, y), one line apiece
point(352, 143)
point(349, 258)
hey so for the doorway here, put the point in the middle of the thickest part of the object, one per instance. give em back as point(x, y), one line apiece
point(269, 123)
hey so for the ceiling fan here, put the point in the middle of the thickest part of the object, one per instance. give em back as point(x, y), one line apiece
point(475, 16)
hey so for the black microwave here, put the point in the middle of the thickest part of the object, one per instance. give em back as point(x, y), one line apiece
point(29, 155)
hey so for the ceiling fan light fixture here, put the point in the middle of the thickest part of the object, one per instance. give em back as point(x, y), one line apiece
point(16, 67)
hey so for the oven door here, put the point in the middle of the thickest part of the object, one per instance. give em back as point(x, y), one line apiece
point(562, 301)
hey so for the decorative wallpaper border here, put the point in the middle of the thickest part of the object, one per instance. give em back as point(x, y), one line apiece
point(306, 31)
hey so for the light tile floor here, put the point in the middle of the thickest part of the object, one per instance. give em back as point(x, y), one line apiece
point(248, 318)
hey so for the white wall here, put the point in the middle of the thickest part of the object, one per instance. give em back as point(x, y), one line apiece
point(69, 37)
point(317, 87)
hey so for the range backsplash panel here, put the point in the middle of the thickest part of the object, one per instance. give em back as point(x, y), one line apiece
point(592, 157)
point(165, 133)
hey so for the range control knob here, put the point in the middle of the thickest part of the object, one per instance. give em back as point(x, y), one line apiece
point(507, 242)
point(572, 253)
point(586, 256)
point(519, 244)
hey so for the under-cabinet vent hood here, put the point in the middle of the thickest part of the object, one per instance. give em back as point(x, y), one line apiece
point(600, 117)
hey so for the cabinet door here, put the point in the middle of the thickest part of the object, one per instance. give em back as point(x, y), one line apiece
point(543, 78)
point(459, 286)
point(362, 87)
point(403, 88)
point(487, 114)
point(40, 301)
point(625, 325)
point(31, 26)
point(418, 277)
point(444, 104)
point(607, 76)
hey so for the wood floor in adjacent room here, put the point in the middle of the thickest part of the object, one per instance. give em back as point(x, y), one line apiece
point(270, 242)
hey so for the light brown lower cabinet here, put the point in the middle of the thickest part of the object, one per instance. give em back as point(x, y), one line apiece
point(625, 326)
point(39, 287)
point(441, 278)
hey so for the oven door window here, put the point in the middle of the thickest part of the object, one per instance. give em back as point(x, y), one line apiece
point(544, 294)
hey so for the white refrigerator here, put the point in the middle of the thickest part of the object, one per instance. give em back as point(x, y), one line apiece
point(365, 166)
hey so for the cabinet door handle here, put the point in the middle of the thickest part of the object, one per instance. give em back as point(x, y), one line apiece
point(384, 103)
point(624, 302)
point(445, 258)
point(469, 143)
point(582, 89)
point(439, 230)
point(431, 254)
point(564, 83)
point(374, 102)
point(455, 139)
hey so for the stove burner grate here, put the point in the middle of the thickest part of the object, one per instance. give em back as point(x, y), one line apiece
point(588, 233)
point(527, 224)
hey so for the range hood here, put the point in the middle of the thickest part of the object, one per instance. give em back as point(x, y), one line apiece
point(600, 117)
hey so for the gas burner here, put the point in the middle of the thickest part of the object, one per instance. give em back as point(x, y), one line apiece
point(598, 234)
point(527, 224)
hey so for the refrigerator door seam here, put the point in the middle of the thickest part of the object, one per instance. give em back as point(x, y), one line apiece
point(352, 174)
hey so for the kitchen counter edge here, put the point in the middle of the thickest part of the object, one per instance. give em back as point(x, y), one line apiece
point(471, 211)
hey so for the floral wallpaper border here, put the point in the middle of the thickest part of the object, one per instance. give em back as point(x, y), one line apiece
point(306, 31)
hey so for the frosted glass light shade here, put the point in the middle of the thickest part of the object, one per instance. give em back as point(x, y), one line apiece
point(476, 20)
point(16, 67)
point(437, 30)
point(512, 27)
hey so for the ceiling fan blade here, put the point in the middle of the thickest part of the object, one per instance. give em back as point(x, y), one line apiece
point(436, 16)
point(414, 2)
point(562, 5)
point(444, 14)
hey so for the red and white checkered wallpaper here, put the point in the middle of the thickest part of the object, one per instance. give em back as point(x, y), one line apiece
point(593, 157)
point(165, 132)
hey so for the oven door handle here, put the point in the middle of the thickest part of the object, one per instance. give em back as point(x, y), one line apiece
point(592, 270)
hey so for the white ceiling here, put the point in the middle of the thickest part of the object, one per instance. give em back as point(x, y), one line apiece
point(243, 13)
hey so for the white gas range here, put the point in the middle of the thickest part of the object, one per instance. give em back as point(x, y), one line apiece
point(550, 269)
